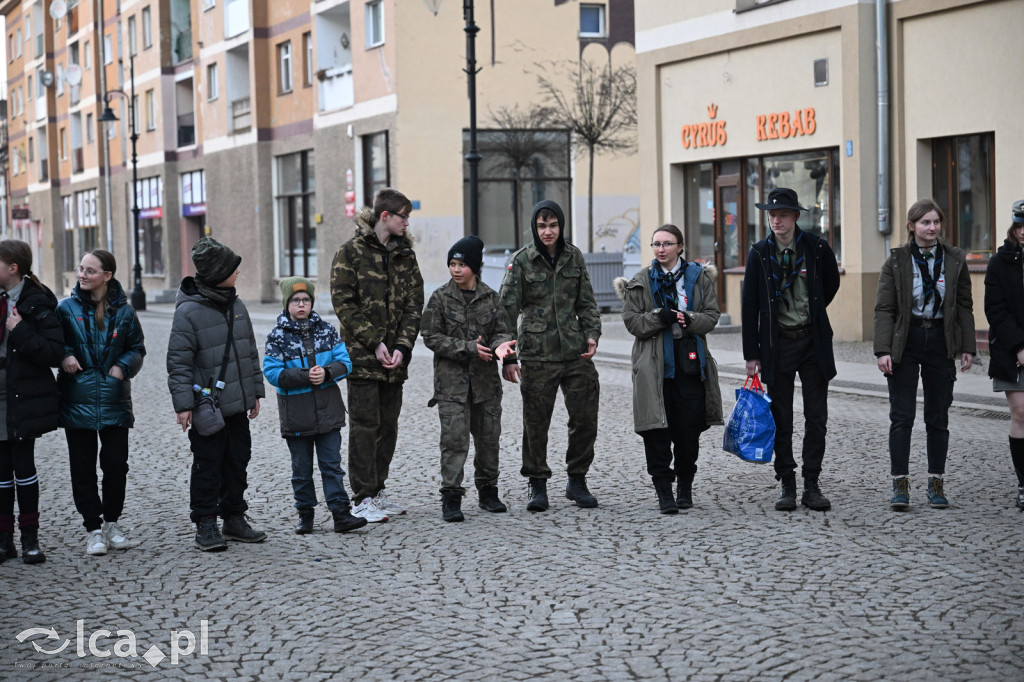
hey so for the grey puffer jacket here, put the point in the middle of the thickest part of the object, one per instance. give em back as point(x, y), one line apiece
point(195, 351)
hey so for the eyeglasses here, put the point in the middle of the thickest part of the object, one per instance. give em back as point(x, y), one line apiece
point(301, 301)
point(405, 218)
point(664, 245)
point(90, 272)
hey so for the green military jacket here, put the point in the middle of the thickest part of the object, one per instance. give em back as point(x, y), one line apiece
point(377, 293)
point(557, 304)
point(450, 329)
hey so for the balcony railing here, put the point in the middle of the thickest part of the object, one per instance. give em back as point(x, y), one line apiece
point(336, 90)
point(241, 115)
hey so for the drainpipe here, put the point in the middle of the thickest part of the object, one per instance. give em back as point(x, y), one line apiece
point(106, 139)
point(881, 50)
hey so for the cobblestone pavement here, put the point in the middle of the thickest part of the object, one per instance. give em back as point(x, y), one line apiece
point(730, 590)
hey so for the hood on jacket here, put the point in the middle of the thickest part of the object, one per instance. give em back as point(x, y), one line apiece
point(116, 297)
point(620, 283)
point(365, 223)
point(557, 210)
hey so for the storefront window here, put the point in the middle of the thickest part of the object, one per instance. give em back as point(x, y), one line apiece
point(700, 210)
point(963, 184)
point(152, 246)
point(296, 190)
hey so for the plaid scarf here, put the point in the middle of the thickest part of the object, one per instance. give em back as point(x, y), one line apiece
point(928, 279)
point(667, 295)
point(784, 273)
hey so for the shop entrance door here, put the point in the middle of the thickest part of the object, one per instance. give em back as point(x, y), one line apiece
point(727, 228)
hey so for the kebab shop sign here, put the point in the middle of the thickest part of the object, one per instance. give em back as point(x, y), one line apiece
point(779, 125)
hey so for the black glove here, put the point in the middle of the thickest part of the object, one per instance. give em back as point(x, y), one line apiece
point(667, 316)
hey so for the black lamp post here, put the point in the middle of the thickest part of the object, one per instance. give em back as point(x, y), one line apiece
point(138, 294)
point(473, 156)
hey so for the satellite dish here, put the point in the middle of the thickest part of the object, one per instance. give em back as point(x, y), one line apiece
point(73, 74)
point(46, 78)
point(58, 8)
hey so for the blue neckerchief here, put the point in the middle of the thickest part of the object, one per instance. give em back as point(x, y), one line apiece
point(782, 279)
point(690, 275)
point(928, 279)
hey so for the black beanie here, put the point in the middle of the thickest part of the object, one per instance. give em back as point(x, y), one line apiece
point(214, 262)
point(469, 250)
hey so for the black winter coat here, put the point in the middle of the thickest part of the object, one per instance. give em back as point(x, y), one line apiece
point(1004, 308)
point(760, 314)
point(33, 347)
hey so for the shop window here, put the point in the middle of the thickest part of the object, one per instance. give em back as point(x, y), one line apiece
point(296, 233)
point(592, 21)
point(519, 168)
point(963, 184)
point(149, 197)
point(69, 233)
point(88, 222)
point(375, 165)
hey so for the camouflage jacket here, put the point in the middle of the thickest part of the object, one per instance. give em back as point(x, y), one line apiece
point(377, 293)
point(450, 329)
point(557, 304)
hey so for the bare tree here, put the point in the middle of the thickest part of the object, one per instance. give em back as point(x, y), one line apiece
point(598, 105)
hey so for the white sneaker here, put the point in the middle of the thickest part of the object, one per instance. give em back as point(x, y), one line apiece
point(113, 535)
point(96, 544)
point(387, 505)
point(369, 511)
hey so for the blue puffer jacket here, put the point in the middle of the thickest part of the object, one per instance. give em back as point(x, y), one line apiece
point(92, 399)
point(292, 348)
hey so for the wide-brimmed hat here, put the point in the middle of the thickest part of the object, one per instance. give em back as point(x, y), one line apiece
point(781, 197)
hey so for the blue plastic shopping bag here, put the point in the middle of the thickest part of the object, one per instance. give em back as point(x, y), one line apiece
point(750, 430)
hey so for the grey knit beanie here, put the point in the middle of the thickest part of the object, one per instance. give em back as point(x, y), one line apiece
point(214, 262)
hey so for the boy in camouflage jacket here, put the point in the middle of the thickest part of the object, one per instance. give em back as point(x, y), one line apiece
point(464, 325)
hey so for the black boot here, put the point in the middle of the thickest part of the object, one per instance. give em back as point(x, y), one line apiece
point(684, 494)
point(305, 526)
point(237, 528)
point(666, 503)
point(538, 495)
point(343, 519)
point(576, 490)
point(30, 552)
point(451, 506)
point(787, 499)
point(812, 497)
point(208, 537)
point(489, 500)
point(7, 550)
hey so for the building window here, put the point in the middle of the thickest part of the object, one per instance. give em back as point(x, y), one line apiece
point(17, 43)
point(70, 261)
point(209, 4)
point(10, 48)
point(108, 50)
point(63, 144)
point(296, 191)
point(963, 184)
point(284, 67)
point(374, 23)
point(375, 165)
point(86, 56)
point(133, 39)
point(135, 113)
point(147, 29)
point(149, 195)
point(31, 150)
point(592, 21)
point(150, 110)
point(307, 53)
point(90, 133)
point(211, 82)
point(88, 223)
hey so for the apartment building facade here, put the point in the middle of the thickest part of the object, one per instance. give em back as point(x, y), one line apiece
point(741, 96)
point(267, 124)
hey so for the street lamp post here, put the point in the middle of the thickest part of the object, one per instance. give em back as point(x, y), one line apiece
point(138, 297)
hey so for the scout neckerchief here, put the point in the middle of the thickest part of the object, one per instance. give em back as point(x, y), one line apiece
point(784, 273)
point(667, 295)
point(928, 279)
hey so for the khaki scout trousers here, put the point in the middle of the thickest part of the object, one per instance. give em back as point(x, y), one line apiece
point(373, 409)
point(458, 421)
point(580, 391)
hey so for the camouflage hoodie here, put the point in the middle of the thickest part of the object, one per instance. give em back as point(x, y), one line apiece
point(377, 293)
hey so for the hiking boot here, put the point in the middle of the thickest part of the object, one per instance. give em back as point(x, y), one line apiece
point(208, 537)
point(576, 490)
point(900, 493)
point(936, 498)
point(787, 498)
point(538, 495)
point(489, 500)
point(305, 526)
point(30, 552)
point(666, 503)
point(8, 551)
point(684, 493)
point(95, 543)
point(237, 528)
point(812, 497)
point(451, 506)
point(343, 519)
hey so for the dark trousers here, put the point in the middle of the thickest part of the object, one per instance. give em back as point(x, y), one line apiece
point(684, 410)
point(925, 356)
point(113, 455)
point(796, 356)
point(373, 409)
point(580, 391)
point(219, 464)
point(458, 422)
point(18, 473)
point(328, 457)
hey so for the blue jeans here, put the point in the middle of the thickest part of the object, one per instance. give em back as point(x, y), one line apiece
point(328, 455)
point(925, 356)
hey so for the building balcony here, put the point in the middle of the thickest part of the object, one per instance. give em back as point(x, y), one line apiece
point(186, 130)
point(336, 89)
point(241, 115)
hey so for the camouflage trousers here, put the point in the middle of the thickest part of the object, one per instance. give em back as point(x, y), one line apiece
point(373, 409)
point(580, 391)
point(459, 421)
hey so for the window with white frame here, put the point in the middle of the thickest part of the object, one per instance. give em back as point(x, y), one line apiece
point(592, 21)
point(133, 39)
point(86, 56)
point(17, 43)
point(108, 49)
point(147, 29)
point(135, 112)
point(88, 221)
point(64, 144)
point(150, 110)
point(90, 133)
point(211, 82)
point(284, 67)
point(307, 51)
point(374, 23)
point(68, 203)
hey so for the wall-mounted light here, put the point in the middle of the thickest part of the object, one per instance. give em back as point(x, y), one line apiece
point(344, 41)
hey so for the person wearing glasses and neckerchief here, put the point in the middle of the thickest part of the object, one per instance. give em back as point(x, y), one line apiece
point(791, 277)
point(377, 292)
point(924, 321)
